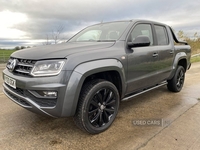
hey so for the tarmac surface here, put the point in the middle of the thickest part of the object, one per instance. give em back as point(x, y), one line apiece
point(137, 124)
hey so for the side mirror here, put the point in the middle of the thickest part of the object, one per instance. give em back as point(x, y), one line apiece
point(141, 40)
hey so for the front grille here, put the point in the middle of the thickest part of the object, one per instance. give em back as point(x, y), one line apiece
point(23, 66)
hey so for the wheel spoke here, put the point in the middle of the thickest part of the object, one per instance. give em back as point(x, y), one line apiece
point(95, 119)
point(105, 94)
point(181, 82)
point(94, 103)
point(111, 103)
point(105, 116)
point(181, 74)
point(100, 119)
point(109, 97)
point(92, 112)
point(109, 110)
point(180, 79)
point(99, 97)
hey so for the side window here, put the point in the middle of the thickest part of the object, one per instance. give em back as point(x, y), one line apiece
point(142, 29)
point(161, 34)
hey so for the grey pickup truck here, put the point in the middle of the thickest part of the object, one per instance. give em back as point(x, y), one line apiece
point(88, 76)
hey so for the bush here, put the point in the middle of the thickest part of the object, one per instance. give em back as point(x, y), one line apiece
point(193, 41)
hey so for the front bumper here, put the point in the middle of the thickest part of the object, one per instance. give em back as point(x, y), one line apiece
point(23, 97)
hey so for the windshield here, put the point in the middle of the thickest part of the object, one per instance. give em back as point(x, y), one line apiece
point(101, 32)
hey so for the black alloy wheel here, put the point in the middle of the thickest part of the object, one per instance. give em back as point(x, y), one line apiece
point(177, 82)
point(98, 106)
point(102, 107)
point(180, 79)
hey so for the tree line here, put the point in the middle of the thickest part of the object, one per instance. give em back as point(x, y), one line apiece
point(21, 47)
point(193, 41)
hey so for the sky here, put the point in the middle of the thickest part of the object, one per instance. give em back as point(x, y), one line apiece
point(30, 22)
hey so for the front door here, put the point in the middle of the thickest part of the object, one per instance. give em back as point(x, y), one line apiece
point(143, 62)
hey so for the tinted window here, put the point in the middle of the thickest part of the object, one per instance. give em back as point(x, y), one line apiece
point(142, 29)
point(161, 34)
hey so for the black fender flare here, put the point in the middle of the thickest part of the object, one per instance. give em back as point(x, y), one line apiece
point(81, 72)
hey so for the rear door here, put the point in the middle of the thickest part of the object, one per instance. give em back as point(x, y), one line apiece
point(165, 51)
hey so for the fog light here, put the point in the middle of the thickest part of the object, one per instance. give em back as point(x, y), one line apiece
point(45, 94)
point(50, 94)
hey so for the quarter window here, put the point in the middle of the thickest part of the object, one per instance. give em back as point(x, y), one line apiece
point(161, 34)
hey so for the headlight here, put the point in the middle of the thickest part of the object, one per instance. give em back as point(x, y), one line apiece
point(47, 68)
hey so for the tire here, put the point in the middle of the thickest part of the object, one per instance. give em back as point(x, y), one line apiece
point(98, 106)
point(176, 83)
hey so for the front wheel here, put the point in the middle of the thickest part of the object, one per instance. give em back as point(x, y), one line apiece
point(176, 83)
point(98, 106)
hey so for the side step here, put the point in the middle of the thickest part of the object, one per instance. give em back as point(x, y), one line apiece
point(144, 91)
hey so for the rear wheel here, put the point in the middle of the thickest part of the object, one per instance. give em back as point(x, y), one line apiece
point(176, 83)
point(98, 106)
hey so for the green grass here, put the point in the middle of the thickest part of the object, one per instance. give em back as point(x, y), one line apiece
point(4, 55)
point(9, 52)
point(195, 59)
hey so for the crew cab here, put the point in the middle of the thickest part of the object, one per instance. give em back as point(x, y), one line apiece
point(90, 74)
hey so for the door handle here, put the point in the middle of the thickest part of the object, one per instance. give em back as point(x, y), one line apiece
point(171, 52)
point(155, 55)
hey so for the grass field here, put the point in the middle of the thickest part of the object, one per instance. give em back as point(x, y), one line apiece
point(195, 59)
point(4, 55)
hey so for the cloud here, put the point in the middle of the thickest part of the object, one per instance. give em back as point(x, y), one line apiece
point(45, 16)
point(10, 44)
point(8, 20)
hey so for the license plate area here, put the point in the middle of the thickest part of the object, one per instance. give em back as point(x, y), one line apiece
point(10, 81)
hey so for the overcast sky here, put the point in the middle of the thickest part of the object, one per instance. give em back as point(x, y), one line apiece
point(27, 22)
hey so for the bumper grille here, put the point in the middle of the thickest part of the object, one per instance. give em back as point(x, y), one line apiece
point(23, 66)
point(42, 102)
point(25, 93)
point(18, 99)
point(18, 91)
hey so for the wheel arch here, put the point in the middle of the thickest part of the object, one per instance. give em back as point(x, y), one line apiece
point(183, 62)
point(180, 59)
point(109, 69)
point(112, 76)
